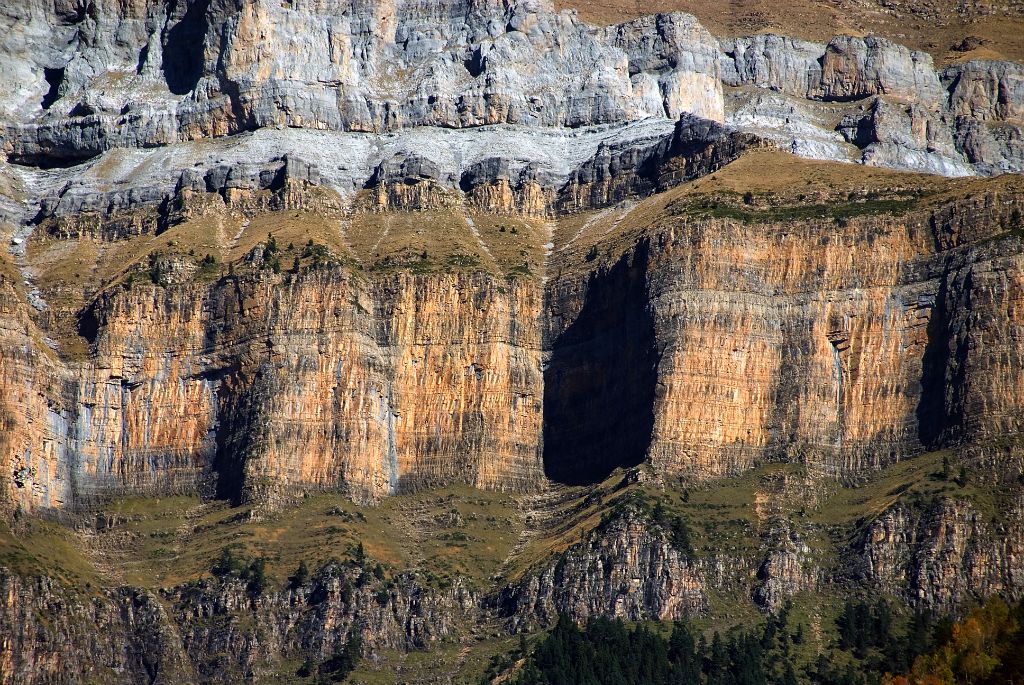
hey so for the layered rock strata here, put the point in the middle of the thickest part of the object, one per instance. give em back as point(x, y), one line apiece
point(250, 386)
point(707, 347)
point(156, 74)
point(845, 344)
point(216, 631)
point(937, 553)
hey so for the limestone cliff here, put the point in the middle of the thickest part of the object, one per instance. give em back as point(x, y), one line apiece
point(420, 255)
point(706, 335)
point(215, 631)
point(822, 341)
point(325, 379)
point(81, 80)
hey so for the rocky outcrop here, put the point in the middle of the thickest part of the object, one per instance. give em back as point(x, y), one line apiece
point(341, 602)
point(750, 361)
point(138, 642)
point(920, 118)
point(788, 568)
point(714, 343)
point(936, 553)
point(894, 134)
point(627, 568)
point(217, 70)
point(146, 75)
point(615, 173)
point(216, 630)
point(321, 380)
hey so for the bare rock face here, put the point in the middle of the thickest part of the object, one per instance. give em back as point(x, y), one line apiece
point(337, 386)
point(893, 133)
point(848, 381)
point(787, 569)
point(854, 68)
point(262, 384)
point(986, 90)
point(216, 69)
point(79, 83)
point(628, 569)
point(701, 336)
point(216, 630)
point(937, 553)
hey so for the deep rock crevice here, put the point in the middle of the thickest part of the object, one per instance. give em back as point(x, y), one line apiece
point(599, 384)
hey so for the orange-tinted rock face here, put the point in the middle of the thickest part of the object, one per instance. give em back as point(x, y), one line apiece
point(325, 380)
point(709, 346)
point(847, 345)
point(34, 449)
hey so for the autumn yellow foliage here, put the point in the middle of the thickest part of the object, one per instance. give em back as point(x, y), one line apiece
point(985, 647)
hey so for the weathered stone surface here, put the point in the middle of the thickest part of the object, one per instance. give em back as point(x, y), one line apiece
point(155, 74)
point(854, 68)
point(985, 90)
point(628, 568)
point(774, 62)
point(788, 568)
point(896, 134)
point(323, 381)
point(215, 630)
point(934, 555)
point(756, 361)
point(847, 344)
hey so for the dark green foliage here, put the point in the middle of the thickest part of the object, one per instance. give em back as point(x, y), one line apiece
point(257, 576)
point(337, 667)
point(230, 564)
point(604, 652)
point(271, 254)
point(947, 468)
point(862, 626)
point(607, 652)
point(156, 273)
point(319, 255)
point(301, 576)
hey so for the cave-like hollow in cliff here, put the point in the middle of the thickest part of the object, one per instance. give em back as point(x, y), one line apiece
point(599, 383)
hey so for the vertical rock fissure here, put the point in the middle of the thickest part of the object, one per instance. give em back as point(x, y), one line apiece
point(54, 80)
point(184, 48)
point(942, 368)
point(599, 383)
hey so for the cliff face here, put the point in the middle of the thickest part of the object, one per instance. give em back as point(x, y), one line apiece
point(263, 253)
point(627, 568)
point(938, 553)
point(836, 343)
point(703, 338)
point(324, 379)
point(215, 631)
point(84, 80)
